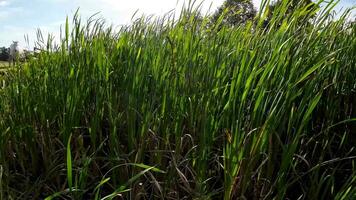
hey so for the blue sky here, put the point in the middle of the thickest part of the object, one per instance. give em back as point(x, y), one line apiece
point(20, 17)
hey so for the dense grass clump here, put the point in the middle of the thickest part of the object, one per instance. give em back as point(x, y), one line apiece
point(185, 109)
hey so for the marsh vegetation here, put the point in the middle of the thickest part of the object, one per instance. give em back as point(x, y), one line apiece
point(185, 109)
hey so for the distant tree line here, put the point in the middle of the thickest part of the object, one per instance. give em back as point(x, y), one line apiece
point(4, 53)
point(239, 12)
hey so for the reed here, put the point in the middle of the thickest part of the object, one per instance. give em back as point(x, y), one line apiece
point(184, 109)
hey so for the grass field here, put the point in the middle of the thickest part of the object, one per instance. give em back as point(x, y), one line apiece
point(3, 64)
point(184, 109)
point(3, 70)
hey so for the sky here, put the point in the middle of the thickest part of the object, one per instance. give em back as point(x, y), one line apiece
point(23, 17)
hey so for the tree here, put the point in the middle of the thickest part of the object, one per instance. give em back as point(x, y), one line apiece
point(235, 12)
point(292, 6)
point(4, 54)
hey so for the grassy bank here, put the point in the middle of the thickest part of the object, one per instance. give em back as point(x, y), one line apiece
point(183, 109)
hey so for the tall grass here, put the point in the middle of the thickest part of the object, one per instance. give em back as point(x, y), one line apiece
point(185, 109)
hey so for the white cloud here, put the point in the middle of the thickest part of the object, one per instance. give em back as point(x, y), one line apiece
point(4, 3)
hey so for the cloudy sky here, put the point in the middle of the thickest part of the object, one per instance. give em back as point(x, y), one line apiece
point(20, 17)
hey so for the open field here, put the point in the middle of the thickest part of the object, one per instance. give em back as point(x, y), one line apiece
point(3, 64)
point(185, 110)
